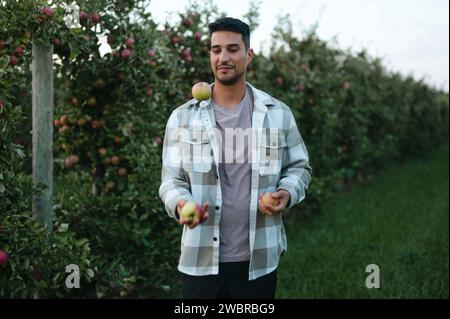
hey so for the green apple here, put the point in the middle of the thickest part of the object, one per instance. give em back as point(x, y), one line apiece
point(201, 91)
point(188, 211)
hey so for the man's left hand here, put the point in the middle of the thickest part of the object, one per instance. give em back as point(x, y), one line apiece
point(271, 210)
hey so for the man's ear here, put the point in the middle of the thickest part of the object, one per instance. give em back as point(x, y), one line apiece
point(250, 55)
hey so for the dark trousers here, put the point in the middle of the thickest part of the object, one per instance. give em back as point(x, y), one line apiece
point(231, 282)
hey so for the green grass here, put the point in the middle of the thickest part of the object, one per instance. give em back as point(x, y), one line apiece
point(399, 221)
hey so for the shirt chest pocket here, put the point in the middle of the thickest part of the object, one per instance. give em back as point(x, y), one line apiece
point(271, 154)
point(197, 154)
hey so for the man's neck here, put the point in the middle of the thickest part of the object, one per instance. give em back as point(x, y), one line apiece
point(228, 96)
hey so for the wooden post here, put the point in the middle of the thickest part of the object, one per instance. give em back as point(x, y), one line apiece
point(42, 70)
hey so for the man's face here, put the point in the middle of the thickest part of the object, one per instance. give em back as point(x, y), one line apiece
point(228, 56)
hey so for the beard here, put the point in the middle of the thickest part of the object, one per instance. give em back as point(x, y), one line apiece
point(230, 80)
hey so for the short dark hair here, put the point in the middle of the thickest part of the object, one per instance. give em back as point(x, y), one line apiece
point(231, 24)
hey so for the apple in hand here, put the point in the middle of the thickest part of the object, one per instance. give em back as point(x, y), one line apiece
point(188, 211)
point(191, 213)
point(269, 200)
point(201, 91)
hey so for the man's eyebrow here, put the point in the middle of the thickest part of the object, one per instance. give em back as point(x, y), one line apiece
point(229, 45)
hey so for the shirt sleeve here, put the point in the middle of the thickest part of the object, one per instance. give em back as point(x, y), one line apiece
point(296, 171)
point(174, 185)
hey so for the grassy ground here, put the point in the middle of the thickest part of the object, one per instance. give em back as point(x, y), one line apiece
point(398, 221)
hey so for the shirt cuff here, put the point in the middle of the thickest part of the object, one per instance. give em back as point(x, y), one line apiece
point(291, 202)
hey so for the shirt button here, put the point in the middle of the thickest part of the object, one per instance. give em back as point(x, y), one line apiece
point(217, 207)
point(215, 238)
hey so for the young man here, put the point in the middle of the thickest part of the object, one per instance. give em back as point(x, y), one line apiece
point(224, 153)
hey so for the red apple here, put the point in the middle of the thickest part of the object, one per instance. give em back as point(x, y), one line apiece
point(63, 129)
point(74, 159)
point(95, 17)
point(187, 22)
point(75, 101)
point(57, 42)
point(126, 54)
point(110, 186)
point(117, 140)
point(177, 39)
point(83, 16)
point(151, 53)
point(19, 51)
point(64, 119)
point(67, 163)
point(279, 80)
point(102, 151)
point(129, 43)
point(115, 160)
point(56, 122)
point(3, 258)
point(81, 122)
point(96, 124)
point(122, 171)
point(186, 52)
point(198, 36)
point(100, 84)
point(48, 12)
point(157, 141)
point(13, 60)
point(149, 91)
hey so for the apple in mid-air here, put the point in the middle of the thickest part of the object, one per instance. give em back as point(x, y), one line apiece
point(201, 91)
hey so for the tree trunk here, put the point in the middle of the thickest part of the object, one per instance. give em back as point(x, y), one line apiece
point(42, 70)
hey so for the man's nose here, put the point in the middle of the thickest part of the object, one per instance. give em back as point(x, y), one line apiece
point(223, 57)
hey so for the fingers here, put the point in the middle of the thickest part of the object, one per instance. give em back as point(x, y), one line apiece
point(205, 212)
point(265, 209)
point(191, 223)
point(270, 210)
point(282, 201)
point(180, 205)
point(276, 195)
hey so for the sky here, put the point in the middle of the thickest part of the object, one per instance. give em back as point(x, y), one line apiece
point(410, 36)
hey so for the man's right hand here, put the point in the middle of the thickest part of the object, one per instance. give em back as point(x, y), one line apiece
point(191, 223)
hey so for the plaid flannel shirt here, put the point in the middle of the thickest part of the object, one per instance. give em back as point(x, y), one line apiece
point(190, 172)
